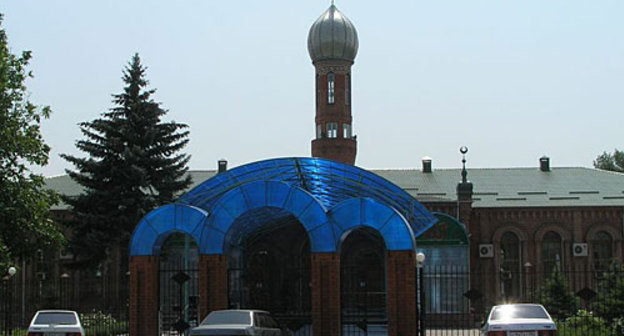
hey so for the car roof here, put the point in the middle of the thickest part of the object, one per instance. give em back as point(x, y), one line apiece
point(56, 311)
point(519, 304)
point(242, 310)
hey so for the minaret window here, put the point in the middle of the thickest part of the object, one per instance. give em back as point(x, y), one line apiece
point(319, 131)
point(348, 90)
point(332, 130)
point(330, 87)
point(346, 131)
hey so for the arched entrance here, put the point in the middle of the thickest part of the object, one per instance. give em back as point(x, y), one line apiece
point(178, 283)
point(269, 235)
point(269, 266)
point(363, 282)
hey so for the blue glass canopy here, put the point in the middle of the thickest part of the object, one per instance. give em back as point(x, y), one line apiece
point(328, 198)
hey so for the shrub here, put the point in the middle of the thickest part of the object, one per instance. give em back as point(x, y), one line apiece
point(583, 323)
point(98, 323)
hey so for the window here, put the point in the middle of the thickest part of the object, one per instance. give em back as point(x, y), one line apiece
point(330, 87)
point(348, 90)
point(332, 130)
point(551, 252)
point(319, 131)
point(510, 265)
point(602, 250)
point(318, 90)
point(346, 131)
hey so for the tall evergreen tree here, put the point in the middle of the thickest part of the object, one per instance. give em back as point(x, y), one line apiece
point(611, 293)
point(134, 164)
point(557, 297)
point(25, 223)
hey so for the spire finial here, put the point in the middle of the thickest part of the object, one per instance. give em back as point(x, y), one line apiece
point(463, 150)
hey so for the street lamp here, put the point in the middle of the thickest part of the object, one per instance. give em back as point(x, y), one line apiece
point(64, 290)
point(420, 262)
point(7, 317)
point(420, 259)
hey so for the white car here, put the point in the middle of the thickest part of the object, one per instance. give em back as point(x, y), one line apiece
point(56, 323)
point(238, 322)
point(520, 319)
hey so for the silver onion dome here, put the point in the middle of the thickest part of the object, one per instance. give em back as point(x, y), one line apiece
point(332, 36)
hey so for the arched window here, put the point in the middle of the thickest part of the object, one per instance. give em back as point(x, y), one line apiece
point(330, 87)
point(602, 250)
point(510, 265)
point(346, 131)
point(332, 130)
point(551, 253)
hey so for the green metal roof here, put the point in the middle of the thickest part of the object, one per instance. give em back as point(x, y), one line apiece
point(516, 187)
point(493, 187)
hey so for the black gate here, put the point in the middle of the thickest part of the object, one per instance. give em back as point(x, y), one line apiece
point(179, 286)
point(284, 292)
point(363, 302)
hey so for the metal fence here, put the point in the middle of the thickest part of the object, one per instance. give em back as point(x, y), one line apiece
point(101, 312)
point(583, 300)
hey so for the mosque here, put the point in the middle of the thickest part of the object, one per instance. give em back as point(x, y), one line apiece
point(325, 245)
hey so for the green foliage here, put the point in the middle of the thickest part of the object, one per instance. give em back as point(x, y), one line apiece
point(583, 323)
point(557, 297)
point(618, 325)
point(613, 162)
point(611, 289)
point(25, 223)
point(133, 166)
point(97, 323)
point(584, 318)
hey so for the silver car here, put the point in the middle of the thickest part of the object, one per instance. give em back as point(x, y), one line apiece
point(238, 322)
point(522, 319)
point(56, 322)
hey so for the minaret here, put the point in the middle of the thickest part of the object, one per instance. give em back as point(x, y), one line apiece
point(333, 45)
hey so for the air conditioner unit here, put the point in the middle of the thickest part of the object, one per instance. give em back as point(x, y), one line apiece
point(579, 249)
point(65, 255)
point(486, 250)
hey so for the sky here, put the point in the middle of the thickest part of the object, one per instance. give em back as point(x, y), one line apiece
point(512, 80)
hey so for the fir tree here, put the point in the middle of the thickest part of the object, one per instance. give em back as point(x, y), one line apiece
point(557, 297)
point(133, 165)
point(610, 306)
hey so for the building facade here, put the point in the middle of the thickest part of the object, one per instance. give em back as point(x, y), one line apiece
point(316, 239)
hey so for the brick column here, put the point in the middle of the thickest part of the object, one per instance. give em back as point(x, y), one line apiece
point(143, 296)
point(401, 275)
point(213, 286)
point(325, 277)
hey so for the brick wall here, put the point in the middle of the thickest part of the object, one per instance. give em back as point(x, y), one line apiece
point(401, 275)
point(143, 296)
point(213, 287)
point(325, 276)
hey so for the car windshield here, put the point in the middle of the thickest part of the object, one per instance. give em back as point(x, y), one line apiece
point(55, 318)
point(518, 312)
point(228, 317)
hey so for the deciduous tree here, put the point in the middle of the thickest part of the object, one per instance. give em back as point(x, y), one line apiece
point(25, 223)
point(613, 162)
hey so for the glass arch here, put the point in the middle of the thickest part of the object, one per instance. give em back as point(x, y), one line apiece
point(329, 182)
